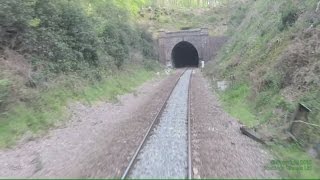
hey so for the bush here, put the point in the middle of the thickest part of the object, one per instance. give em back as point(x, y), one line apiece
point(272, 81)
point(150, 65)
point(72, 36)
point(212, 19)
point(289, 16)
point(4, 92)
point(237, 17)
point(68, 46)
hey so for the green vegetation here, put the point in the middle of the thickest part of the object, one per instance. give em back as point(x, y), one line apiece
point(288, 17)
point(272, 62)
point(54, 52)
point(4, 91)
point(260, 55)
point(173, 15)
point(294, 152)
point(234, 100)
point(186, 4)
point(49, 107)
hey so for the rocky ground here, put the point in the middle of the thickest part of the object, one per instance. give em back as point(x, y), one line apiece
point(219, 148)
point(98, 141)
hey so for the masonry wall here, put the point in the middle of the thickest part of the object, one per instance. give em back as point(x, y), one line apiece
point(206, 46)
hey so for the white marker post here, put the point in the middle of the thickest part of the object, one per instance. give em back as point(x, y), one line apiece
point(202, 65)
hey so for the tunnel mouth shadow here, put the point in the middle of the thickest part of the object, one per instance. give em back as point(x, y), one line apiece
point(184, 54)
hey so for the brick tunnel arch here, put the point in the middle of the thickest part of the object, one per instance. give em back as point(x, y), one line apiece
point(184, 54)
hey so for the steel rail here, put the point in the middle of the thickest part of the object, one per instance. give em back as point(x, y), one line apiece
point(156, 118)
point(189, 130)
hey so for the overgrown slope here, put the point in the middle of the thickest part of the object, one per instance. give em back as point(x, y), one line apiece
point(52, 51)
point(174, 15)
point(272, 61)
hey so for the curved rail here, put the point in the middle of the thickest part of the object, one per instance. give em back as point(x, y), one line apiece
point(133, 159)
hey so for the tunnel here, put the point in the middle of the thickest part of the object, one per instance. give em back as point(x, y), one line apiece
point(184, 54)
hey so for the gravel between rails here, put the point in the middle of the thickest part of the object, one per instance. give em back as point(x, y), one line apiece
point(165, 152)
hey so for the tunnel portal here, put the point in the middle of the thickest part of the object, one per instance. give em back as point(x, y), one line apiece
point(184, 54)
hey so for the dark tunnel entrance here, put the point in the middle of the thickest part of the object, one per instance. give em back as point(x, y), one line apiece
point(184, 54)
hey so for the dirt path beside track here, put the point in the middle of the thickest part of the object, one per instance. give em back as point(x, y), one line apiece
point(219, 148)
point(98, 141)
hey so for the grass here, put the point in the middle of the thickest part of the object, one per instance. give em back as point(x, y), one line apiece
point(114, 86)
point(188, 18)
point(234, 102)
point(4, 90)
point(50, 106)
point(294, 152)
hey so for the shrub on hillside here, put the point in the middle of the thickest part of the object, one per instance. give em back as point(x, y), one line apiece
point(237, 16)
point(299, 64)
point(289, 16)
point(4, 92)
point(72, 36)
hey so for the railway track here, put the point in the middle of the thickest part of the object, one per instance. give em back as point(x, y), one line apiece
point(151, 135)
